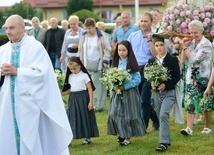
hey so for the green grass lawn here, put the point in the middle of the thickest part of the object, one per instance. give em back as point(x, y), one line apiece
point(197, 144)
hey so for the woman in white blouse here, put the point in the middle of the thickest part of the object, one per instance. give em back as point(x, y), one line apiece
point(94, 47)
point(198, 53)
point(71, 40)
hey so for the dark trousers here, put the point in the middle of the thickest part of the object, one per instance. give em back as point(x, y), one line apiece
point(55, 60)
point(148, 111)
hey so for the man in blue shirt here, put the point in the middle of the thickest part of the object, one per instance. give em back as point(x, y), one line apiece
point(123, 31)
point(144, 49)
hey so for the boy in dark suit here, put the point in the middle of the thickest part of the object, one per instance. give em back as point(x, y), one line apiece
point(165, 96)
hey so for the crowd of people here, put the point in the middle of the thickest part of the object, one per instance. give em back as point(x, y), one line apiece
point(30, 99)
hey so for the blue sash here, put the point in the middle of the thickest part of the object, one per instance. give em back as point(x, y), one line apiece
point(15, 62)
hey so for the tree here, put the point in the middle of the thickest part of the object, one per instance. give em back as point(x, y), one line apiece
point(2, 19)
point(76, 5)
point(83, 14)
point(23, 9)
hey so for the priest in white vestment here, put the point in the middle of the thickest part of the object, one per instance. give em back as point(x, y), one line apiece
point(33, 119)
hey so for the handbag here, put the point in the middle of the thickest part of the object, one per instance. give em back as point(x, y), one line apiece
point(92, 65)
point(202, 83)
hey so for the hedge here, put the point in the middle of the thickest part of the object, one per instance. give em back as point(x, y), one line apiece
point(3, 39)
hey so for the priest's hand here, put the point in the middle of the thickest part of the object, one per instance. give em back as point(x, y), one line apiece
point(8, 69)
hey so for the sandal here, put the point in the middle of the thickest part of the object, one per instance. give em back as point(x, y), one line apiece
point(206, 130)
point(125, 143)
point(86, 141)
point(161, 148)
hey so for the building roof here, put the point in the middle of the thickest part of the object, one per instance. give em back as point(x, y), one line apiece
point(48, 3)
point(63, 3)
point(2, 8)
point(127, 2)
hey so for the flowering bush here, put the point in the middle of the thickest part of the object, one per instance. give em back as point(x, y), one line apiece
point(156, 74)
point(115, 77)
point(60, 76)
point(177, 18)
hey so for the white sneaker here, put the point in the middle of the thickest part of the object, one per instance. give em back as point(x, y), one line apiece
point(206, 131)
point(186, 131)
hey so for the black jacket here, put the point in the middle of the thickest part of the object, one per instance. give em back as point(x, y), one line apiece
point(59, 37)
point(172, 64)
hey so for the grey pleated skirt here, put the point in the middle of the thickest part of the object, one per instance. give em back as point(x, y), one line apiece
point(83, 122)
point(125, 115)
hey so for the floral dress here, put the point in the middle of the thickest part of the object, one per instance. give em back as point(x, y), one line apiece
point(199, 65)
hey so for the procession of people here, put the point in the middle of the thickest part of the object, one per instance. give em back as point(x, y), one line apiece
point(167, 70)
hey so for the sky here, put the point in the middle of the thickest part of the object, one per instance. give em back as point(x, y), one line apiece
point(8, 2)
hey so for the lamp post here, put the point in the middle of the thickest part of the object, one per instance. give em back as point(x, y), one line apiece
point(136, 10)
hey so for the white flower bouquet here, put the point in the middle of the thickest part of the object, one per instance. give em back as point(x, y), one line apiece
point(156, 74)
point(60, 76)
point(177, 18)
point(114, 78)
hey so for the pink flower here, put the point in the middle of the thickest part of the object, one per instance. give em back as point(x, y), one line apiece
point(176, 11)
point(195, 12)
point(212, 21)
point(171, 9)
point(208, 14)
point(202, 15)
point(166, 16)
point(178, 29)
point(185, 31)
point(204, 24)
point(179, 5)
point(165, 24)
point(171, 22)
point(182, 14)
point(178, 21)
point(171, 16)
point(207, 20)
point(188, 21)
point(196, 18)
point(188, 12)
point(169, 28)
point(207, 7)
point(212, 32)
point(183, 25)
point(202, 9)
point(185, 6)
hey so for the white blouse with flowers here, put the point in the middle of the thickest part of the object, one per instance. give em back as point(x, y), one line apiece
point(201, 56)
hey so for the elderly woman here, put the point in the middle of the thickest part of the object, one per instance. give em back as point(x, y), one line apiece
point(94, 51)
point(65, 25)
point(71, 40)
point(197, 52)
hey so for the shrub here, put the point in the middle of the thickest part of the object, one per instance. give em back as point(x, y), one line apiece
point(3, 39)
point(84, 14)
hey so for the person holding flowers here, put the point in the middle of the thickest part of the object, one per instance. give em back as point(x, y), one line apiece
point(197, 51)
point(165, 93)
point(81, 115)
point(125, 111)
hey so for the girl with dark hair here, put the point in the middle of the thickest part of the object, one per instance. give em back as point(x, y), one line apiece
point(79, 86)
point(125, 113)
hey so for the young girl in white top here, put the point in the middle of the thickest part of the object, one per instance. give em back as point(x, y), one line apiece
point(79, 86)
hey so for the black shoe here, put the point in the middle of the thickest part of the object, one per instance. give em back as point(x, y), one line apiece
point(125, 143)
point(86, 141)
point(119, 139)
point(161, 148)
